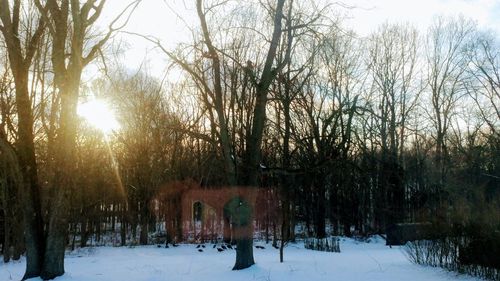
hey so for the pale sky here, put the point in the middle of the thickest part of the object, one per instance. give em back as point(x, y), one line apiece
point(155, 18)
point(421, 12)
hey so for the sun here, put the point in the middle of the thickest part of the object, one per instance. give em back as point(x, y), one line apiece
point(98, 114)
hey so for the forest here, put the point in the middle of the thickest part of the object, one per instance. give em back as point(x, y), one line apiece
point(311, 129)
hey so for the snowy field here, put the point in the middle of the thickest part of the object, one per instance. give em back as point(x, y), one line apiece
point(358, 261)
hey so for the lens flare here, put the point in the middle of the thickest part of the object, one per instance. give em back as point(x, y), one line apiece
point(98, 114)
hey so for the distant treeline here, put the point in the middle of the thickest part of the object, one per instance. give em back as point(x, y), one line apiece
point(345, 135)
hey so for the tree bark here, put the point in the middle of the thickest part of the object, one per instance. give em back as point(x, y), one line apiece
point(25, 146)
point(12, 221)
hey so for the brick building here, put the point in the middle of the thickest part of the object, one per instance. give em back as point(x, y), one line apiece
point(195, 213)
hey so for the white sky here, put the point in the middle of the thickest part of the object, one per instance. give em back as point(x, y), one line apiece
point(155, 18)
point(421, 12)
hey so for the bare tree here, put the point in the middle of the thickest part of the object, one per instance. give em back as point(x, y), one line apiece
point(485, 88)
point(21, 52)
point(393, 66)
point(213, 95)
point(147, 142)
point(11, 216)
point(446, 67)
point(298, 53)
point(68, 23)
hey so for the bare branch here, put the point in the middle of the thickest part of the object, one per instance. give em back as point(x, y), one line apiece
point(111, 28)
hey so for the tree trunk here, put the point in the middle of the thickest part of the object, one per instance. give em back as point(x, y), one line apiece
point(10, 219)
point(244, 244)
point(123, 232)
point(143, 235)
point(320, 212)
point(62, 184)
point(31, 190)
point(19, 63)
point(244, 254)
point(285, 227)
point(144, 224)
point(84, 233)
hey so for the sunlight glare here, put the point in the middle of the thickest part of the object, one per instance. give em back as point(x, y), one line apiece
point(98, 114)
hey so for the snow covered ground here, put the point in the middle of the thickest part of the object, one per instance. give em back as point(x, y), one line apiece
point(358, 261)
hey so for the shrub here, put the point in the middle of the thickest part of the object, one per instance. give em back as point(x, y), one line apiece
point(331, 244)
point(470, 250)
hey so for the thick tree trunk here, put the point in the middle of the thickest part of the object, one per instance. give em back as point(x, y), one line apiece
point(244, 244)
point(62, 183)
point(20, 59)
point(57, 230)
point(11, 218)
point(53, 265)
point(33, 222)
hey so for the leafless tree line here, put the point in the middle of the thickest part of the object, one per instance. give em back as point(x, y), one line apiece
point(353, 133)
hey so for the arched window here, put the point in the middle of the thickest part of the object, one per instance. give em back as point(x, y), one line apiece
point(197, 211)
